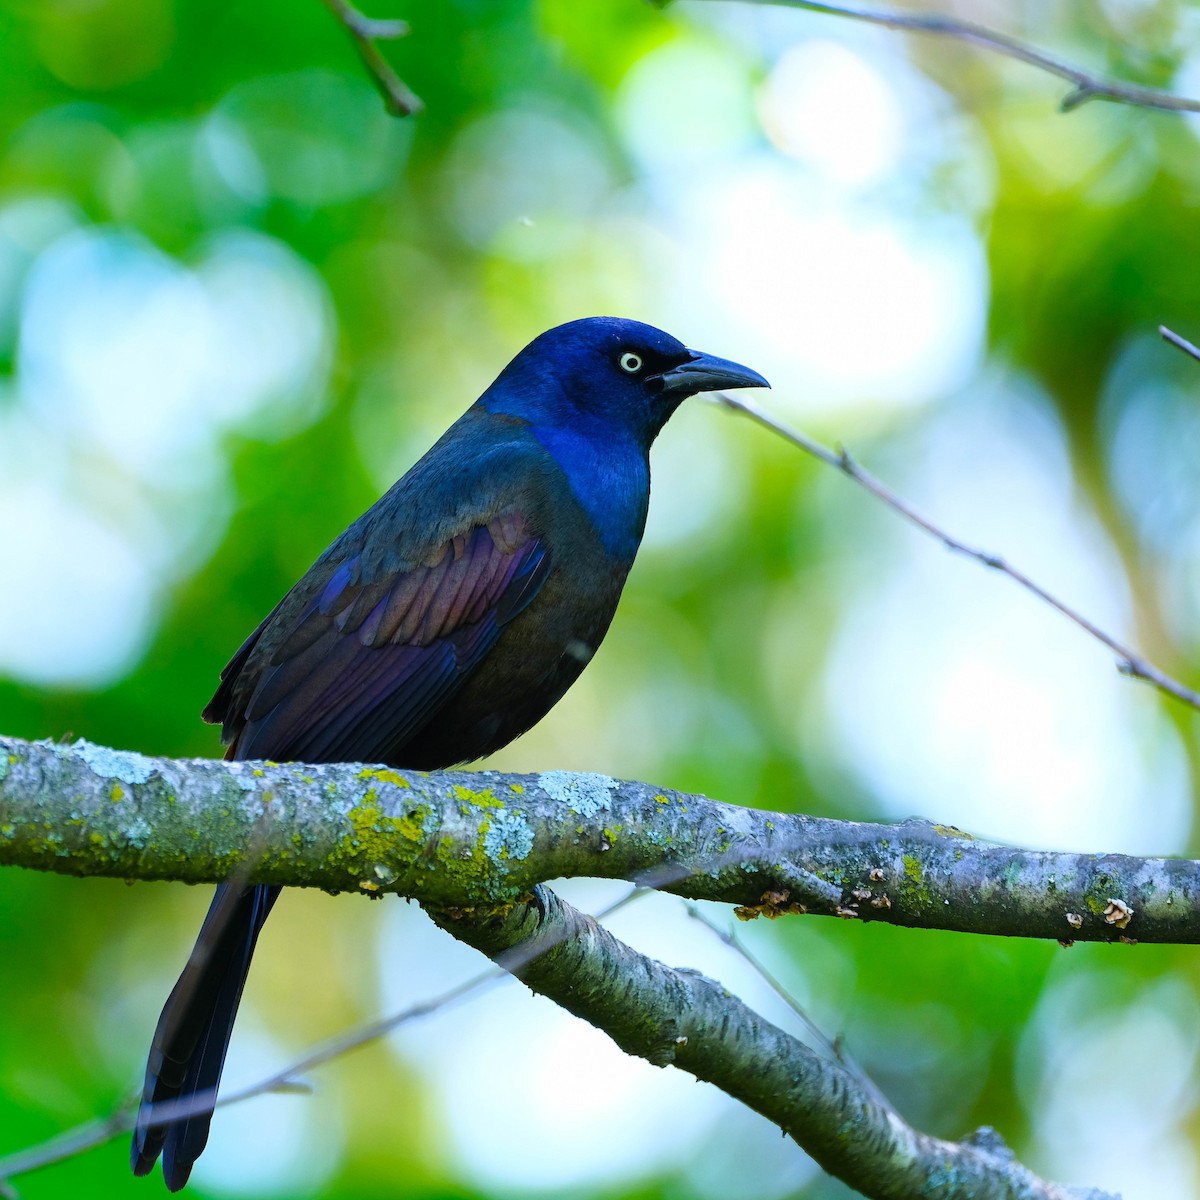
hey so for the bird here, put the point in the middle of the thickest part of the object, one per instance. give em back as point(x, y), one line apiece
point(444, 622)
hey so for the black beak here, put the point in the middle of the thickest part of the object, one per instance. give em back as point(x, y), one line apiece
point(707, 373)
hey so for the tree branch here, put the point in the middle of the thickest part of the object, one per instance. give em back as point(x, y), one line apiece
point(473, 846)
point(100, 1130)
point(458, 839)
point(398, 98)
point(668, 1017)
point(1128, 661)
point(1087, 86)
point(681, 1018)
point(1180, 343)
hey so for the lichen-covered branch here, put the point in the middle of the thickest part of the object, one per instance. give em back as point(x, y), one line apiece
point(470, 838)
point(472, 847)
point(681, 1018)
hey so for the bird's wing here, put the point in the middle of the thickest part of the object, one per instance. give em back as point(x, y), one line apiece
point(372, 656)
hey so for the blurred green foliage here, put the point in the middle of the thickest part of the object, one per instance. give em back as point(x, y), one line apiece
point(561, 169)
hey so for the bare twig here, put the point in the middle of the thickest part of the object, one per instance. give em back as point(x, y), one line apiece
point(95, 1133)
point(729, 938)
point(1129, 663)
point(67, 1144)
point(1181, 342)
point(1087, 86)
point(833, 1048)
point(90, 1134)
point(399, 99)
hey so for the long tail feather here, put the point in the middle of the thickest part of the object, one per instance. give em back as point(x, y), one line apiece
point(193, 1032)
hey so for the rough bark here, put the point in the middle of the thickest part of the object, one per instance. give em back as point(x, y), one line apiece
point(474, 848)
point(468, 838)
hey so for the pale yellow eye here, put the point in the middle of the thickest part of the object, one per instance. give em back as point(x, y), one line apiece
point(630, 362)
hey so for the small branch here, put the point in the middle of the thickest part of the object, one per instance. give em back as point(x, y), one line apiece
point(1087, 86)
point(1128, 661)
point(681, 1018)
point(834, 1050)
point(1180, 342)
point(456, 839)
point(62, 1146)
point(91, 1134)
point(399, 100)
point(95, 1133)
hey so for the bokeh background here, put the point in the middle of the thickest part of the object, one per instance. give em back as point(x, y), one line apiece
point(237, 300)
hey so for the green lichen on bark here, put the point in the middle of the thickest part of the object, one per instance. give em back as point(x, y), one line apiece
point(473, 839)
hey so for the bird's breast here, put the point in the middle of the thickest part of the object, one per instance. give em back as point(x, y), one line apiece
point(609, 478)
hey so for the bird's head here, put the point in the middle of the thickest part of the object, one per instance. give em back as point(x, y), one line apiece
point(618, 376)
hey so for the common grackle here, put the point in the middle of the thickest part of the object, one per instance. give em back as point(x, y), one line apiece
point(448, 619)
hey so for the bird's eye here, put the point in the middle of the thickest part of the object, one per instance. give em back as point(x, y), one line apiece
point(630, 362)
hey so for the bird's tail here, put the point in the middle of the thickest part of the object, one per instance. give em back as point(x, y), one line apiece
point(193, 1032)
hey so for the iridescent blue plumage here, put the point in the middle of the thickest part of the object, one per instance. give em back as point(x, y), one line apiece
point(441, 624)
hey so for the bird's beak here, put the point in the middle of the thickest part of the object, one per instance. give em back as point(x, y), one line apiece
point(707, 373)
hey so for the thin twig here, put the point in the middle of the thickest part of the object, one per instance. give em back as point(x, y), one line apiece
point(1181, 342)
point(95, 1133)
point(1087, 86)
point(834, 1049)
point(506, 966)
point(90, 1134)
point(398, 98)
point(730, 939)
point(69, 1143)
point(1128, 662)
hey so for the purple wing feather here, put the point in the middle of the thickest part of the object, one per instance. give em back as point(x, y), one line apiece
point(368, 662)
